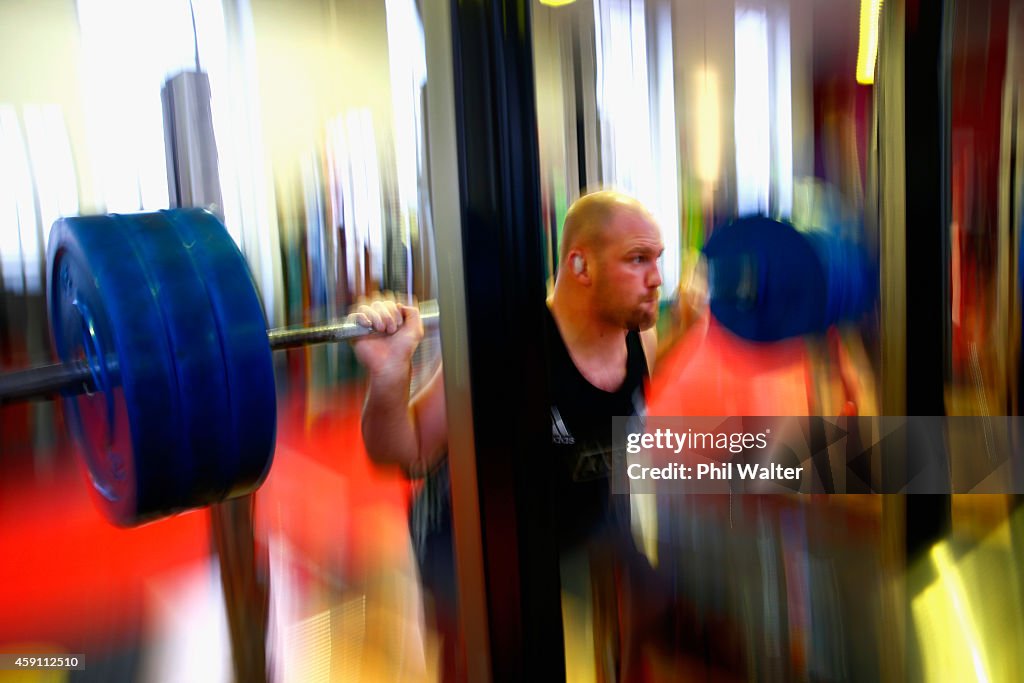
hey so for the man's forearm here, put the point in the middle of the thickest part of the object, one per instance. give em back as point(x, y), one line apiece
point(389, 428)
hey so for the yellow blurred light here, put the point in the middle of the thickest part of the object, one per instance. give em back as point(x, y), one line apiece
point(708, 125)
point(951, 641)
point(867, 50)
point(556, 3)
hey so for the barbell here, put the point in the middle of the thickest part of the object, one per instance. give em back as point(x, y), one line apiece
point(165, 360)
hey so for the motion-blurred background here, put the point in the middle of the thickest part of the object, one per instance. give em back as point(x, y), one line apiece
point(896, 127)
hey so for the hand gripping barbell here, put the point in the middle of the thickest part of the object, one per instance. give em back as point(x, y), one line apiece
point(166, 371)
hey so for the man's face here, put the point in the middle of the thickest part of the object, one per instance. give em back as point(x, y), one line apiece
point(627, 279)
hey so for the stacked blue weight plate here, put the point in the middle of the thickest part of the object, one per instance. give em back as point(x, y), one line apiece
point(768, 281)
point(162, 309)
point(852, 279)
point(243, 337)
point(102, 310)
point(205, 469)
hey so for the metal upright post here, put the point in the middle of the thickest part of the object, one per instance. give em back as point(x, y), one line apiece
point(192, 180)
point(502, 503)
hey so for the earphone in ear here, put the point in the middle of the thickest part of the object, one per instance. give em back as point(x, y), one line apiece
point(577, 264)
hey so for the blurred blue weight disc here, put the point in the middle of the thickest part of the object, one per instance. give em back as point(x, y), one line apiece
point(102, 310)
point(204, 471)
point(769, 281)
point(242, 328)
point(765, 280)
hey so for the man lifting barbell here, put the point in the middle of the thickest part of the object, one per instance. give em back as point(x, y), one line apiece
point(601, 346)
point(601, 324)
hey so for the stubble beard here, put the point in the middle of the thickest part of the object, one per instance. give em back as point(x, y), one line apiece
point(637, 318)
point(644, 320)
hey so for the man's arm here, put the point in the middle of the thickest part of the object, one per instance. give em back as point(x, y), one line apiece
point(397, 430)
point(430, 415)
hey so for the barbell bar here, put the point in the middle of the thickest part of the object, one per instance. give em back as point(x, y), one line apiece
point(75, 377)
point(166, 372)
point(338, 331)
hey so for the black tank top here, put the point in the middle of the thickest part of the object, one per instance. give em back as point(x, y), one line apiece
point(581, 436)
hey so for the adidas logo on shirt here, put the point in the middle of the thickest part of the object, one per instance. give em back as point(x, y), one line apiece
point(559, 434)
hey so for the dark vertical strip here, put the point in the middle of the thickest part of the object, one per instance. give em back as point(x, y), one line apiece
point(171, 144)
point(928, 31)
point(1017, 210)
point(947, 16)
point(245, 580)
point(503, 256)
point(581, 138)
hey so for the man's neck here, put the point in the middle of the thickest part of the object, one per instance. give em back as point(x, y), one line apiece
point(583, 332)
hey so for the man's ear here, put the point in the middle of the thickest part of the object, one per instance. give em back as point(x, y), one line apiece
point(578, 266)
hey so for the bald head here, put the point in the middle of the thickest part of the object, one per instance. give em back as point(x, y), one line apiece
point(609, 277)
point(590, 215)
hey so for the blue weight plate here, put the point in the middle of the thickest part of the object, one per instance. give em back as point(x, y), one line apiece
point(207, 466)
point(852, 279)
point(102, 310)
point(766, 280)
point(243, 336)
